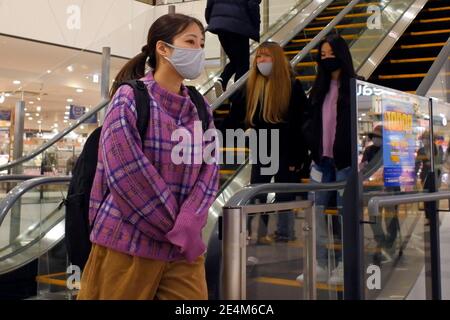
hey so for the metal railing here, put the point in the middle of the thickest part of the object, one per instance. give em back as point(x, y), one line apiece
point(234, 282)
point(436, 67)
point(56, 138)
point(17, 192)
point(433, 288)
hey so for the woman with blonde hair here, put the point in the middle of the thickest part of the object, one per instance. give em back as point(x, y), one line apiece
point(273, 99)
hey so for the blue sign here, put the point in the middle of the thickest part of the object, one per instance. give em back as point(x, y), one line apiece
point(398, 143)
point(5, 115)
point(78, 111)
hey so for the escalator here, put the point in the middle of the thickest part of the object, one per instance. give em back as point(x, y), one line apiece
point(408, 62)
point(353, 29)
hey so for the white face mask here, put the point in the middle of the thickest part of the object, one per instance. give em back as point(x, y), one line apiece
point(189, 63)
point(265, 68)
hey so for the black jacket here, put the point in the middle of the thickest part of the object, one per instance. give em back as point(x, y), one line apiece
point(237, 16)
point(312, 130)
point(293, 151)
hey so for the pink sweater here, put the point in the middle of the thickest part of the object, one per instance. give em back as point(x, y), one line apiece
point(329, 114)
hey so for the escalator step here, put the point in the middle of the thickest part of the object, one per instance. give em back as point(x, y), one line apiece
point(295, 283)
point(422, 33)
point(434, 20)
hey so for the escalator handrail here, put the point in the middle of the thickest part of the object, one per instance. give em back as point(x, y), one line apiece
point(271, 33)
point(329, 27)
point(17, 177)
point(243, 196)
point(56, 138)
point(434, 71)
point(16, 193)
point(312, 44)
point(382, 201)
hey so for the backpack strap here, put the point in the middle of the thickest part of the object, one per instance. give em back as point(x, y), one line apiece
point(142, 100)
point(199, 102)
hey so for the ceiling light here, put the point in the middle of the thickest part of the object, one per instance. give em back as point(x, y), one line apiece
point(67, 112)
point(2, 98)
point(37, 114)
point(38, 108)
point(16, 82)
point(65, 121)
point(30, 118)
point(49, 71)
point(25, 109)
point(82, 127)
point(39, 98)
point(95, 78)
point(55, 125)
point(70, 68)
point(69, 100)
point(39, 121)
point(31, 102)
point(67, 107)
point(79, 90)
point(7, 94)
point(66, 117)
point(27, 114)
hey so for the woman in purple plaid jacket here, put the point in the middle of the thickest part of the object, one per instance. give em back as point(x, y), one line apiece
point(147, 209)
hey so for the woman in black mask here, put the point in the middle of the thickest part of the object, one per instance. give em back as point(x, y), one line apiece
point(327, 132)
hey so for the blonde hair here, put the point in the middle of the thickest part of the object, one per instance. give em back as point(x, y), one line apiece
point(272, 92)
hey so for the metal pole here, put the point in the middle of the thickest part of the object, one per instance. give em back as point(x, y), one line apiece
point(19, 124)
point(104, 86)
point(352, 228)
point(171, 9)
point(432, 250)
point(309, 229)
point(266, 12)
point(231, 248)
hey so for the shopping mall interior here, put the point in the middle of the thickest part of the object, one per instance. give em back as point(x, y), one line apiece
point(58, 60)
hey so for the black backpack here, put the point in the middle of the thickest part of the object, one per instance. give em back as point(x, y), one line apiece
point(77, 227)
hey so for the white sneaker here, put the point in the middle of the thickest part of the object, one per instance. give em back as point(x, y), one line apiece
point(337, 276)
point(321, 275)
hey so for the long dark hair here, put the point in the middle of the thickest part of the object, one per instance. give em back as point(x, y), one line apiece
point(165, 28)
point(322, 83)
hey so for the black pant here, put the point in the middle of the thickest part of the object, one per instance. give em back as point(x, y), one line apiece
point(237, 48)
point(282, 176)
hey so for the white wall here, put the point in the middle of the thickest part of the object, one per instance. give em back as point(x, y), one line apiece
point(119, 24)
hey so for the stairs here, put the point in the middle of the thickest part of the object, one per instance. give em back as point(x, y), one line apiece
point(410, 59)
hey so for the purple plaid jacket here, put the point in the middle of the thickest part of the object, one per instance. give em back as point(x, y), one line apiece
point(155, 208)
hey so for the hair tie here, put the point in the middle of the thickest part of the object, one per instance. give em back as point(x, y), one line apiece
point(145, 49)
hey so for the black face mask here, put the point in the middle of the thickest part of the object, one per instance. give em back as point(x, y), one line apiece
point(331, 64)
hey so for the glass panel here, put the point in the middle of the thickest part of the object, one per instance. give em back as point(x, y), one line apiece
point(441, 129)
point(445, 253)
point(32, 228)
point(377, 28)
point(274, 262)
point(440, 89)
point(359, 28)
point(394, 138)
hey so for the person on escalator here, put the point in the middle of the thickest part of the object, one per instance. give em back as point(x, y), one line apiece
point(384, 239)
point(147, 211)
point(235, 22)
point(272, 100)
point(327, 133)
